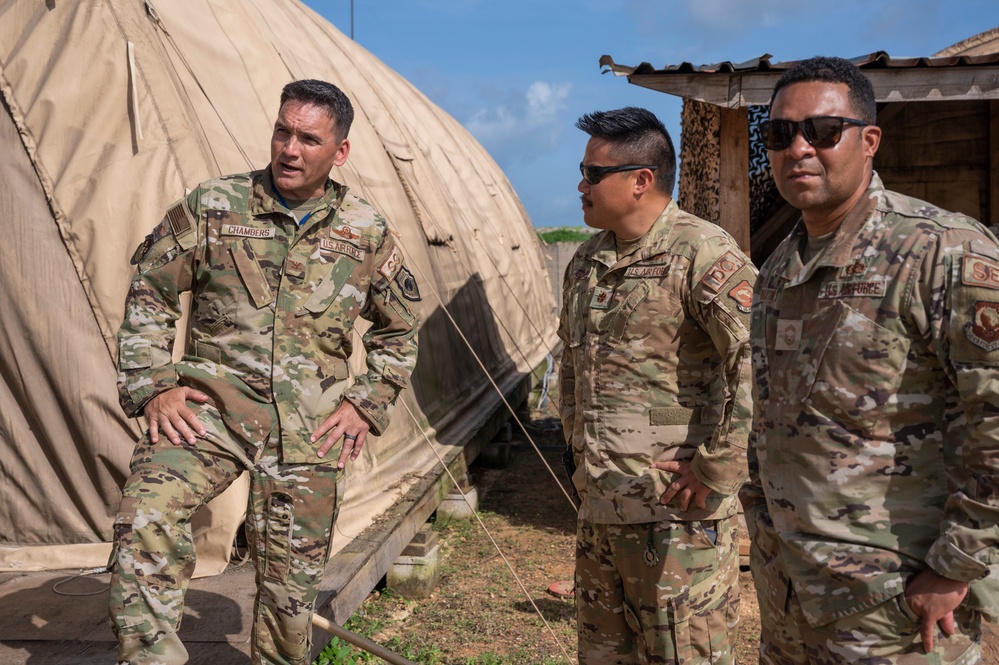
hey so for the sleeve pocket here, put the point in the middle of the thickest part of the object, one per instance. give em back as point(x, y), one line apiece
point(134, 352)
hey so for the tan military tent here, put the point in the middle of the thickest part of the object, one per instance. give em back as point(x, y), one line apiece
point(112, 109)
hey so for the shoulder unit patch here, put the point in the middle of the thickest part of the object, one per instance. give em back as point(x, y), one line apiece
point(742, 294)
point(407, 284)
point(983, 331)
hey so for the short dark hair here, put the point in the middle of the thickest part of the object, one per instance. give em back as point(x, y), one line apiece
point(834, 70)
point(639, 138)
point(324, 95)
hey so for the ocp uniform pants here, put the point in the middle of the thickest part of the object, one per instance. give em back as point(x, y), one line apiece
point(662, 592)
point(887, 634)
point(291, 512)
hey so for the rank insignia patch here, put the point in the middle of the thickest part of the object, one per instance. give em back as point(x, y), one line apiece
point(788, 334)
point(742, 294)
point(602, 296)
point(407, 284)
point(983, 331)
point(855, 269)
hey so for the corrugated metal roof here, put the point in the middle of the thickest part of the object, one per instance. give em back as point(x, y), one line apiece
point(876, 60)
point(895, 79)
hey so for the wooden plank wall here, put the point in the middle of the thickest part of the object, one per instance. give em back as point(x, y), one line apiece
point(941, 152)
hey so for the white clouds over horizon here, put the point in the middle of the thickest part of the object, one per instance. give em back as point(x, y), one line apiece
point(529, 123)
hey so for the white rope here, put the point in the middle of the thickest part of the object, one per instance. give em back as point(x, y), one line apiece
point(482, 524)
point(499, 392)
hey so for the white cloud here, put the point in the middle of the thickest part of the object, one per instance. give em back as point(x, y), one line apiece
point(525, 124)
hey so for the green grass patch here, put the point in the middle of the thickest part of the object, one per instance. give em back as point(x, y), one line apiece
point(563, 235)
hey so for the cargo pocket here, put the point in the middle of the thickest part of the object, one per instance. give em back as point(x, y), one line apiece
point(678, 611)
point(279, 525)
point(699, 620)
point(339, 487)
point(122, 530)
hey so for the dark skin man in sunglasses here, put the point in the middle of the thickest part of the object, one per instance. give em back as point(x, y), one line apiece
point(874, 460)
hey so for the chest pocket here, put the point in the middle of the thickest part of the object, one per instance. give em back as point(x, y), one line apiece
point(618, 319)
point(848, 367)
point(330, 286)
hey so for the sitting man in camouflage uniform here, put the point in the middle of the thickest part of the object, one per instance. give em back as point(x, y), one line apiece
point(656, 404)
point(873, 501)
point(280, 263)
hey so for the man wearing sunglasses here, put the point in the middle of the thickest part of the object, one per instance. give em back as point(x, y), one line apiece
point(656, 406)
point(872, 501)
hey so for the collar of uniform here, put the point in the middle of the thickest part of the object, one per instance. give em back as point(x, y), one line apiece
point(858, 227)
point(264, 199)
point(648, 246)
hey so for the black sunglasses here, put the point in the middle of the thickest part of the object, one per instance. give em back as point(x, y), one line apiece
point(821, 131)
point(594, 174)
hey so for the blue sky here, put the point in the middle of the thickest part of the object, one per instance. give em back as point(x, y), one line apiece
point(518, 73)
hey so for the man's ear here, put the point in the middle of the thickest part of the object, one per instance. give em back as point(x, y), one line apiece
point(342, 152)
point(872, 139)
point(644, 180)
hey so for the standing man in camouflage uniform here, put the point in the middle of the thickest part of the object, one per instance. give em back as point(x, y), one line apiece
point(280, 263)
point(656, 405)
point(873, 501)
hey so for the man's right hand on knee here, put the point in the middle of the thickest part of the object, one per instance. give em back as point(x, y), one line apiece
point(168, 413)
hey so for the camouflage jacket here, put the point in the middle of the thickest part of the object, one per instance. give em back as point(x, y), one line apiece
point(876, 448)
point(272, 311)
point(656, 367)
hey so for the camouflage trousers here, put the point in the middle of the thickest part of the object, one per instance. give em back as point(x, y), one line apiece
point(663, 592)
point(291, 512)
point(886, 634)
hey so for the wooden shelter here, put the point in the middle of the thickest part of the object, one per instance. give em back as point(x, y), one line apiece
point(940, 117)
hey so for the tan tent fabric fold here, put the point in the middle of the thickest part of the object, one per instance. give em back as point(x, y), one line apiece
point(115, 108)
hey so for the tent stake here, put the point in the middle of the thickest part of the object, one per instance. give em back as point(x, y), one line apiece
point(336, 630)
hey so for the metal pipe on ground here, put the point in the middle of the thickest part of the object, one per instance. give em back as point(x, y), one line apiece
point(374, 648)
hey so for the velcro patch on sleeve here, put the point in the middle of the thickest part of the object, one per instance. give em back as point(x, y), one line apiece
point(723, 269)
point(983, 330)
point(142, 250)
point(407, 285)
point(391, 265)
point(979, 271)
point(180, 221)
point(742, 294)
